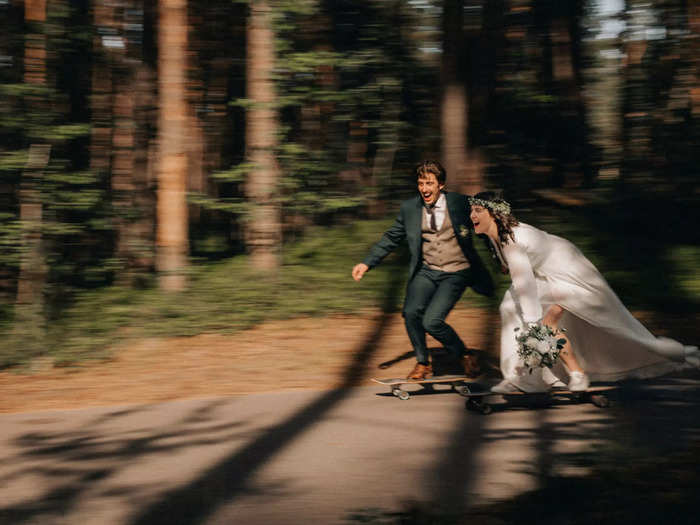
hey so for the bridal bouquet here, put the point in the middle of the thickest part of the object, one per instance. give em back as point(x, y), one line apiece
point(539, 346)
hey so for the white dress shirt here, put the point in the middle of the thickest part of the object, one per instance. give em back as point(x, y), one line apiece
point(439, 209)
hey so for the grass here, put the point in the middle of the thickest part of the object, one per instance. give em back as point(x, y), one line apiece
point(314, 280)
point(229, 295)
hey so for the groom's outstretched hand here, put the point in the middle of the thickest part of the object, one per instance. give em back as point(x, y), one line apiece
point(359, 270)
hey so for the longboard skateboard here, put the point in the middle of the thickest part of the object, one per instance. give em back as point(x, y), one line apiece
point(596, 395)
point(459, 383)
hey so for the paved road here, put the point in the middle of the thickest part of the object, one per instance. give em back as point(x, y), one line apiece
point(304, 457)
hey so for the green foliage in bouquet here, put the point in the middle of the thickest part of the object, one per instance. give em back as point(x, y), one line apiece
point(539, 346)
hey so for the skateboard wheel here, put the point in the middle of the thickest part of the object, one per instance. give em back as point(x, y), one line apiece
point(600, 401)
point(462, 390)
point(486, 409)
point(472, 405)
point(402, 394)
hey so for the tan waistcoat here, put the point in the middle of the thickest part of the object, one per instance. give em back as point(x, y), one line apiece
point(441, 250)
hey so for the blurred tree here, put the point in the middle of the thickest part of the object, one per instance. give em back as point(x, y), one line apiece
point(318, 123)
point(101, 90)
point(217, 73)
point(638, 98)
point(32, 274)
point(354, 97)
point(674, 79)
point(358, 96)
point(463, 164)
point(264, 230)
point(693, 49)
point(141, 82)
point(172, 227)
point(561, 65)
point(121, 107)
point(29, 319)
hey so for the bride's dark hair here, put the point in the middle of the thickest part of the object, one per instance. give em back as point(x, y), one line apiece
point(504, 221)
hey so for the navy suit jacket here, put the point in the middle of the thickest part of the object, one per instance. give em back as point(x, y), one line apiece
point(408, 226)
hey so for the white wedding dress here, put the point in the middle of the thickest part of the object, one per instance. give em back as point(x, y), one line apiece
point(609, 343)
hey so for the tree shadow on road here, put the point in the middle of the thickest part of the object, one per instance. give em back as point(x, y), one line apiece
point(71, 461)
point(67, 460)
point(641, 465)
point(222, 483)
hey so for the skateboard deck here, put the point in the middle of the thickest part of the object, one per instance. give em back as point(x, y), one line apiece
point(595, 395)
point(458, 382)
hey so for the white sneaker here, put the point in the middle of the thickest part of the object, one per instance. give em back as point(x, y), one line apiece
point(692, 356)
point(505, 387)
point(578, 382)
point(531, 382)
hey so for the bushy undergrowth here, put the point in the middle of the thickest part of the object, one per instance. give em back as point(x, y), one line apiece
point(314, 280)
point(227, 296)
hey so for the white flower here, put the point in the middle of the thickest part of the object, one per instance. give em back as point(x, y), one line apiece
point(532, 343)
point(502, 206)
point(537, 346)
point(543, 347)
point(533, 360)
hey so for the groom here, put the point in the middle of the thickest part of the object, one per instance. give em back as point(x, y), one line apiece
point(443, 264)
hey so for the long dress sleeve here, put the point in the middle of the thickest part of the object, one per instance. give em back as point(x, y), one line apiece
point(608, 341)
point(524, 283)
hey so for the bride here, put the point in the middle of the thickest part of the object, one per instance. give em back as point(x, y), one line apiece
point(553, 283)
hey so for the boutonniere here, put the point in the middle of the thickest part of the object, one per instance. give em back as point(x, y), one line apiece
point(463, 230)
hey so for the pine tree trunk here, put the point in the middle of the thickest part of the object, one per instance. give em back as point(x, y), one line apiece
point(195, 98)
point(144, 202)
point(29, 323)
point(197, 180)
point(464, 167)
point(123, 187)
point(263, 235)
point(693, 50)
point(384, 157)
point(637, 133)
point(32, 272)
point(172, 226)
point(101, 95)
point(566, 43)
point(32, 269)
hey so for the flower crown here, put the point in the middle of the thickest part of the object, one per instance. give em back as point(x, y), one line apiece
point(500, 207)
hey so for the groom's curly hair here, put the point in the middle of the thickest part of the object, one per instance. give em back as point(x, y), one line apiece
point(431, 166)
point(504, 221)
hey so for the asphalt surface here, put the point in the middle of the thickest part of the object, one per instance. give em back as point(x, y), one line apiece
point(305, 456)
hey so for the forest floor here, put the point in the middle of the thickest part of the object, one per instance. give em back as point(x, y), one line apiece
point(303, 353)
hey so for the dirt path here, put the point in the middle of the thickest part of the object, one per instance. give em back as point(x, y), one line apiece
point(308, 353)
point(296, 354)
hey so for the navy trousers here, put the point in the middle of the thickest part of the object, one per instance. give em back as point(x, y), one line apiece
point(430, 297)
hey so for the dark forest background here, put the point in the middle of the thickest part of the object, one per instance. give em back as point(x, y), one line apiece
point(174, 167)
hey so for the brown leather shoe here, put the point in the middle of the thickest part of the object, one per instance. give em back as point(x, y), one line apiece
point(421, 372)
point(472, 368)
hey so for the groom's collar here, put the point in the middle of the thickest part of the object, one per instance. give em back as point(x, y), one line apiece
point(439, 204)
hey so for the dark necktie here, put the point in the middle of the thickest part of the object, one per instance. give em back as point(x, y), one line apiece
point(433, 223)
